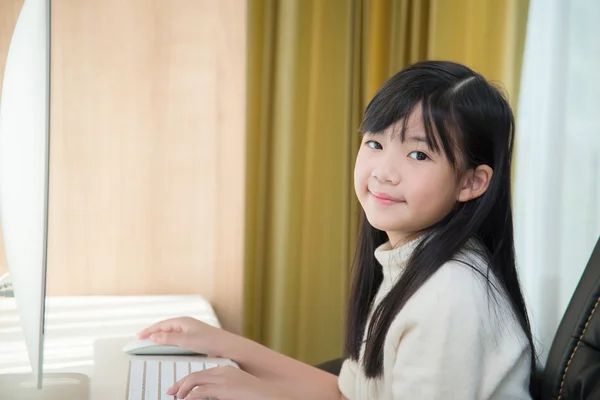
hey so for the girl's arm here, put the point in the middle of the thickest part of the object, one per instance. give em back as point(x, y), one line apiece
point(300, 380)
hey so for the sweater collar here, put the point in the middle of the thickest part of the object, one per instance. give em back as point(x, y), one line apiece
point(394, 261)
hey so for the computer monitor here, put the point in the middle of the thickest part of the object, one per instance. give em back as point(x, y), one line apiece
point(24, 144)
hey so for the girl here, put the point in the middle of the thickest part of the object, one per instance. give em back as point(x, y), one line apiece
point(436, 311)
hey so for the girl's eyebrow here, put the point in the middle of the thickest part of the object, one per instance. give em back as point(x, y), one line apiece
point(413, 138)
point(417, 138)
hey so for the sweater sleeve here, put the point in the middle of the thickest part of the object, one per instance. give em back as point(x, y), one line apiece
point(347, 379)
point(441, 338)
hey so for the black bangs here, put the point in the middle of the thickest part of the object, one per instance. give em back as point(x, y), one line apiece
point(389, 106)
point(392, 105)
point(441, 126)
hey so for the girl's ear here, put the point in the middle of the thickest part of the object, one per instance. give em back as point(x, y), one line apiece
point(475, 182)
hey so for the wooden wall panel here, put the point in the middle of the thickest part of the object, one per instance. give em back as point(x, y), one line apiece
point(230, 46)
point(9, 12)
point(147, 149)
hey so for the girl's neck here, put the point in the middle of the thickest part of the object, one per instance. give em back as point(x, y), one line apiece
point(398, 239)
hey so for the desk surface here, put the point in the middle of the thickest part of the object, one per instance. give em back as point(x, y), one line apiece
point(84, 338)
point(112, 368)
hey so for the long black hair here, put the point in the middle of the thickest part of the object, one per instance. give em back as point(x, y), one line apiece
point(470, 121)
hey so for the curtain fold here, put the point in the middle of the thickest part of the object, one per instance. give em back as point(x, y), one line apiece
point(557, 185)
point(299, 161)
point(488, 36)
point(312, 68)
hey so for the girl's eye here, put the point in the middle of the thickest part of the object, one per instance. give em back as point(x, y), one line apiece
point(418, 155)
point(373, 145)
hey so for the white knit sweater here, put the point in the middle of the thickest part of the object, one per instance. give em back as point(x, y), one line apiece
point(450, 341)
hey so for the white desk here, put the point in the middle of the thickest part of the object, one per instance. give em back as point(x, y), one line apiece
point(84, 338)
point(111, 366)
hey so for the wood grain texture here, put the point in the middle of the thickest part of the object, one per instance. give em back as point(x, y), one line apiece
point(147, 150)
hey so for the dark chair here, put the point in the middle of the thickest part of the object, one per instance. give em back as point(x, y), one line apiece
point(332, 366)
point(572, 370)
point(573, 367)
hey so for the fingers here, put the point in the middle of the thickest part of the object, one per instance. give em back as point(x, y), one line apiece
point(166, 338)
point(184, 386)
point(225, 382)
point(184, 340)
point(203, 392)
point(195, 380)
point(203, 383)
point(169, 325)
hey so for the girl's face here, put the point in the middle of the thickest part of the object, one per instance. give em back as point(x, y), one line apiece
point(404, 187)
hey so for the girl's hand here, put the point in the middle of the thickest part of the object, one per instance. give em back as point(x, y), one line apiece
point(190, 334)
point(224, 383)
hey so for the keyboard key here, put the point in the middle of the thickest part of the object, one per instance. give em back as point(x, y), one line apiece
point(182, 369)
point(196, 366)
point(151, 388)
point(136, 380)
point(167, 378)
point(210, 365)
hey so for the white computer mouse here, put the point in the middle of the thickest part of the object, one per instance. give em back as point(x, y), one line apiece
point(147, 347)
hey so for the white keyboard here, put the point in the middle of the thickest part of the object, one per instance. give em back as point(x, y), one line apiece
point(150, 379)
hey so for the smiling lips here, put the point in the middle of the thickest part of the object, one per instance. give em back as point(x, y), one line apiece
point(383, 199)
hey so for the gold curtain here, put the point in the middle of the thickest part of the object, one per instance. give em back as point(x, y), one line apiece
point(313, 66)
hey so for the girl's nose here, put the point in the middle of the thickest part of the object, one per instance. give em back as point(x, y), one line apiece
point(386, 173)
